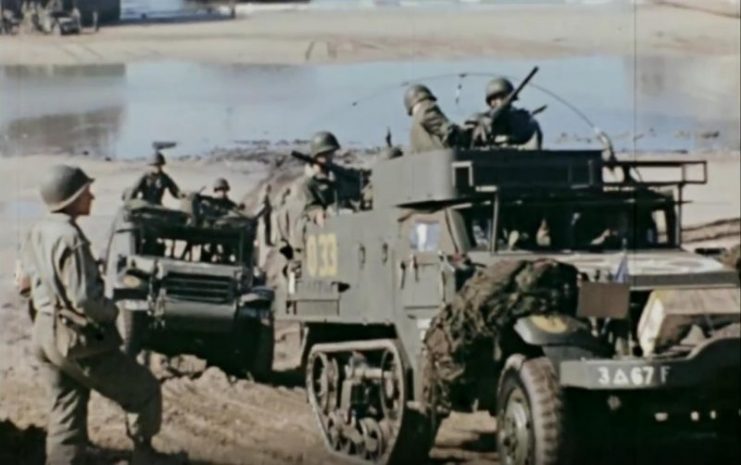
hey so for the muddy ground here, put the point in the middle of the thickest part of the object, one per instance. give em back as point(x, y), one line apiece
point(214, 418)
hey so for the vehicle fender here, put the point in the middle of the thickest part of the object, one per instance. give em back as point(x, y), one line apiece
point(257, 303)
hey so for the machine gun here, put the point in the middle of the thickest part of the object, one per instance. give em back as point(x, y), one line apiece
point(351, 182)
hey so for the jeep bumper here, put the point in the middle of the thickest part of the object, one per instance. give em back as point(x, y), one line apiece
point(713, 365)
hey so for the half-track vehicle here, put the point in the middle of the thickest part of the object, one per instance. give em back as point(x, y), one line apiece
point(184, 281)
point(655, 336)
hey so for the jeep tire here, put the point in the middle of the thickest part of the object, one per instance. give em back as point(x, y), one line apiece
point(530, 414)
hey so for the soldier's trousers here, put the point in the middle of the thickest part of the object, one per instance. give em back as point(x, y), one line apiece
point(113, 374)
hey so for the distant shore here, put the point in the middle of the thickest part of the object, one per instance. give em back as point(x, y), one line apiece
point(297, 36)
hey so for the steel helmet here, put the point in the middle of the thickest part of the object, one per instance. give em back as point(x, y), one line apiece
point(416, 93)
point(498, 86)
point(156, 159)
point(323, 142)
point(221, 184)
point(62, 185)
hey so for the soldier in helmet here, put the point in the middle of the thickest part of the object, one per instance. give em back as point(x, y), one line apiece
point(152, 185)
point(320, 188)
point(431, 129)
point(74, 332)
point(221, 194)
point(512, 127)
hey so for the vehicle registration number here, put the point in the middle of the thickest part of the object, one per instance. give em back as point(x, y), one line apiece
point(646, 375)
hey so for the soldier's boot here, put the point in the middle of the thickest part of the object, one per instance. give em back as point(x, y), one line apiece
point(145, 454)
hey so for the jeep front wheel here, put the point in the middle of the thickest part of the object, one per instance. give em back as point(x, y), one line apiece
point(530, 414)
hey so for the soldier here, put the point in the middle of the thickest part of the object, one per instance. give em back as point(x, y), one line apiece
point(514, 127)
point(151, 186)
point(221, 194)
point(431, 129)
point(320, 188)
point(74, 332)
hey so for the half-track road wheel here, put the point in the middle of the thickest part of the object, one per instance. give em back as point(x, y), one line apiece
point(359, 394)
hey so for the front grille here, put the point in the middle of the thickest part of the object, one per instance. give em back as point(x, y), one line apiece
point(198, 288)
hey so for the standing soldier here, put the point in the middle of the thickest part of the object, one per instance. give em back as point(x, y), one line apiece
point(74, 332)
point(431, 129)
point(505, 127)
point(151, 186)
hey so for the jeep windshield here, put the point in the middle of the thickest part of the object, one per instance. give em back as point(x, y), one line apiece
point(571, 221)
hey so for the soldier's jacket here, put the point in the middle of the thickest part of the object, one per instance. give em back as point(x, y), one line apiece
point(151, 187)
point(66, 282)
point(515, 128)
point(319, 191)
point(432, 130)
point(225, 203)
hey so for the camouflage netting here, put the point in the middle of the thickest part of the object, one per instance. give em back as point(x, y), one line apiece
point(465, 330)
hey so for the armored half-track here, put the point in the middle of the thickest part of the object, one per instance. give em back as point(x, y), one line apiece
point(184, 282)
point(655, 336)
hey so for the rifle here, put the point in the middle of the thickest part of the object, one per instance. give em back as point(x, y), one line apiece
point(340, 171)
point(512, 96)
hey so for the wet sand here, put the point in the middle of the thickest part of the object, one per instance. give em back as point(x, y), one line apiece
point(294, 37)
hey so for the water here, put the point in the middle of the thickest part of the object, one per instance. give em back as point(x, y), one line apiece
point(118, 110)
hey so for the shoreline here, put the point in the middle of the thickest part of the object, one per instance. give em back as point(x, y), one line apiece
point(358, 36)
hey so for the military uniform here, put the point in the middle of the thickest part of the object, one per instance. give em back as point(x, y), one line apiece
point(75, 338)
point(152, 186)
point(512, 128)
point(319, 191)
point(431, 129)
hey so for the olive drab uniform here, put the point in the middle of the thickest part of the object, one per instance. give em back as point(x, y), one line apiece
point(76, 341)
point(431, 129)
point(151, 187)
point(515, 128)
point(511, 128)
point(320, 191)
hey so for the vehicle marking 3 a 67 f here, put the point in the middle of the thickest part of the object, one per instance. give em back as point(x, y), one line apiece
point(637, 376)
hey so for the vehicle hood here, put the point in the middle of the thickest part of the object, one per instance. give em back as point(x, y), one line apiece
point(649, 269)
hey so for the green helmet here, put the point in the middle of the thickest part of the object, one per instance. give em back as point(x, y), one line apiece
point(416, 93)
point(62, 185)
point(498, 86)
point(221, 184)
point(156, 159)
point(323, 142)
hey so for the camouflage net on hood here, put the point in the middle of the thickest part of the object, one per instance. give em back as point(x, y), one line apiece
point(465, 330)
